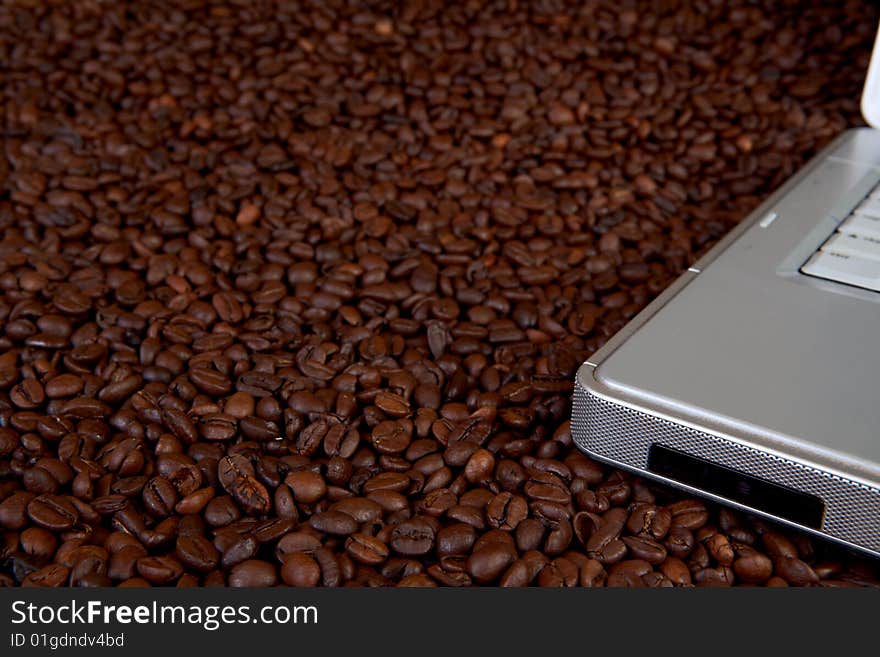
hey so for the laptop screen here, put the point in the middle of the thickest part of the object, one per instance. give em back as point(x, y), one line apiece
point(871, 92)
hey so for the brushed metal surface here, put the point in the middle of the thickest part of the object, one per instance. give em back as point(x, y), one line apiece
point(615, 432)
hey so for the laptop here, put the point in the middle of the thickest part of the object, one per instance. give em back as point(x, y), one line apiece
point(754, 380)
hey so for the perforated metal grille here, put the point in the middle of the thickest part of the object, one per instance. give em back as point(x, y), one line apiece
point(852, 510)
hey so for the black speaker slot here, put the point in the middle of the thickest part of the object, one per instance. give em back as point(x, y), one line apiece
point(762, 495)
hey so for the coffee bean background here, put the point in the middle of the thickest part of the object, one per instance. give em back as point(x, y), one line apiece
point(294, 293)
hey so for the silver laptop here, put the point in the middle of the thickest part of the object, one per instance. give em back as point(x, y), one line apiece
point(754, 380)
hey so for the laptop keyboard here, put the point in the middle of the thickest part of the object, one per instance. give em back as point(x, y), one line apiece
point(852, 254)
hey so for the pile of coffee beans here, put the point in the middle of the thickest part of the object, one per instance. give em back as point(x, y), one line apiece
point(294, 293)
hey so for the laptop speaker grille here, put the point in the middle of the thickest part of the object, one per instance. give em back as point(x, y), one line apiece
point(624, 435)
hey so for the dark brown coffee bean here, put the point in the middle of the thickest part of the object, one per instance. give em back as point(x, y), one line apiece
point(238, 550)
point(677, 571)
point(64, 385)
point(363, 510)
point(14, 510)
point(529, 534)
point(628, 573)
point(38, 542)
point(794, 571)
point(720, 576)
point(390, 437)
point(778, 545)
point(558, 573)
point(720, 549)
point(296, 542)
point(413, 537)
point(487, 563)
point(159, 570)
point(506, 511)
point(307, 486)
point(197, 552)
point(27, 394)
point(641, 547)
point(53, 575)
point(392, 404)
point(334, 522)
point(592, 574)
point(335, 569)
point(753, 567)
point(159, 497)
point(54, 512)
point(269, 531)
point(650, 520)
point(455, 539)
point(299, 569)
point(253, 573)
point(688, 514)
point(210, 381)
point(365, 549)
point(679, 542)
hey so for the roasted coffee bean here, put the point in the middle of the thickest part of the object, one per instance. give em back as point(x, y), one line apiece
point(641, 547)
point(307, 486)
point(688, 514)
point(628, 573)
point(159, 570)
point(794, 571)
point(487, 563)
point(197, 552)
point(299, 569)
point(298, 541)
point(38, 541)
point(529, 534)
point(676, 571)
point(752, 566)
point(390, 437)
point(53, 575)
point(559, 537)
point(269, 531)
point(778, 545)
point(506, 511)
point(14, 510)
point(363, 510)
point(334, 522)
point(455, 539)
point(592, 574)
point(123, 562)
point(334, 568)
point(720, 576)
point(649, 520)
point(53, 512)
point(679, 542)
point(159, 497)
point(250, 495)
point(558, 573)
point(366, 549)
point(238, 549)
point(413, 537)
point(237, 476)
point(253, 573)
point(720, 549)
point(231, 468)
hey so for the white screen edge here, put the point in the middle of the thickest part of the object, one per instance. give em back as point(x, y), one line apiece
point(871, 92)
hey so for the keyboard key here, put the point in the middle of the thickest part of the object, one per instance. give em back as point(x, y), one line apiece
point(869, 207)
point(861, 225)
point(845, 269)
point(853, 245)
